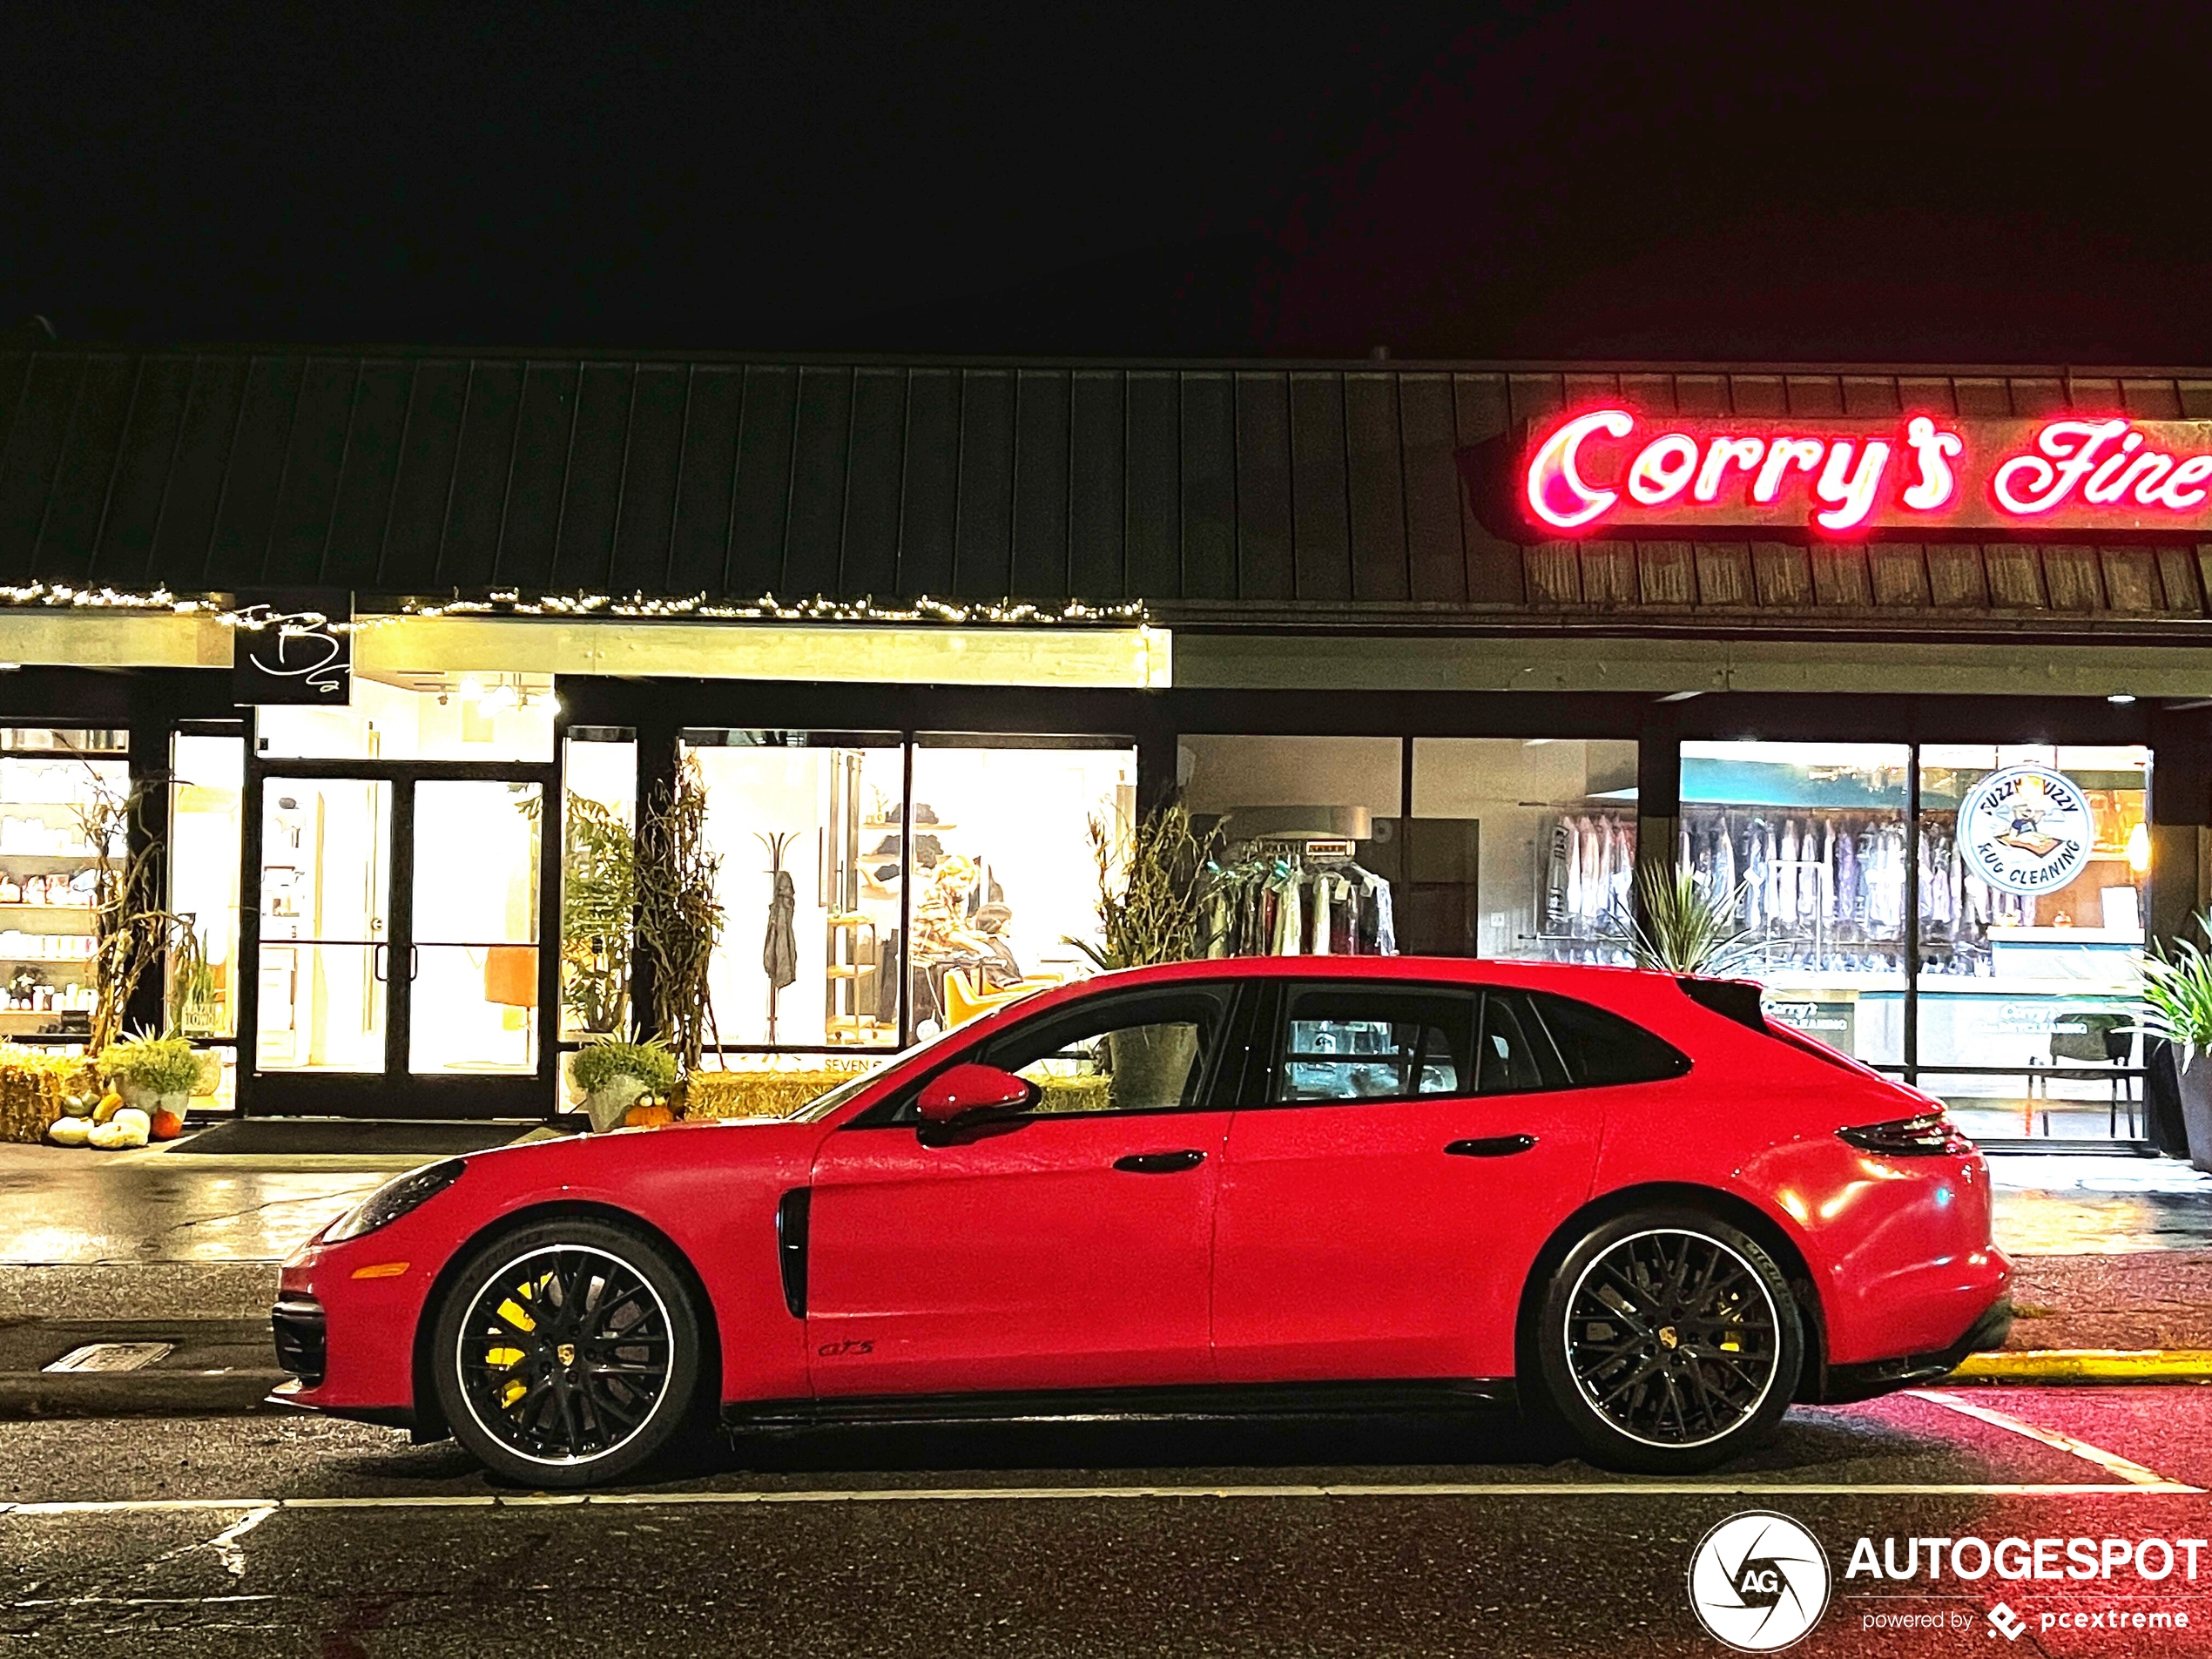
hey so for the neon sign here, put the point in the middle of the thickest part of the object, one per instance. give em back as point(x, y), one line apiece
point(1612, 470)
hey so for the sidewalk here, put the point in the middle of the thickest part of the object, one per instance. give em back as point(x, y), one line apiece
point(2113, 1253)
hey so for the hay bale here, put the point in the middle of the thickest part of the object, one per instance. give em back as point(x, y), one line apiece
point(32, 1082)
point(757, 1093)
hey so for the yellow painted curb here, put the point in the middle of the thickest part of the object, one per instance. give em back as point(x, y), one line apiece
point(2089, 1365)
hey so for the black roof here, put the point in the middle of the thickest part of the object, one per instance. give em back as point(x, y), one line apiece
point(1214, 491)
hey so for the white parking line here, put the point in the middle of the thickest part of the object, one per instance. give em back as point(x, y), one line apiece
point(2153, 1487)
point(2111, 1462)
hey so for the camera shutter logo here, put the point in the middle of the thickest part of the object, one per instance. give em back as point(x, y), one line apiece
point(1758, 1581)
point(2026, 829)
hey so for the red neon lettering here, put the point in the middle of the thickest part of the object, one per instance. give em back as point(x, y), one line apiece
point(2102, 488)
point(1851, 492)
point(1803, 453)
point(2174, 494)
point(1933, 452)
point(1743, 452)
point(2073, 445)
point(1556, 492)
point(1662, 472)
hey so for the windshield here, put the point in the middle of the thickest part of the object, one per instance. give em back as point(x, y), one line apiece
point(822, 1105)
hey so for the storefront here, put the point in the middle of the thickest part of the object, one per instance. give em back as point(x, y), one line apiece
point(1906, 665)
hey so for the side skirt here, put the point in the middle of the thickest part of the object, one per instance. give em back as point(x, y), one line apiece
point(1196, 1403)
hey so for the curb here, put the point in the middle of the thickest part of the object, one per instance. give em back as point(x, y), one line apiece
point(2089, 1365)
point(141, 1393)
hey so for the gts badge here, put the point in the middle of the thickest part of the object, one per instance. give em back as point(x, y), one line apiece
point(845, 1350)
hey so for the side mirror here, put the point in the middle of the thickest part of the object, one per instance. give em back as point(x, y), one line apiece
point(971, 1093)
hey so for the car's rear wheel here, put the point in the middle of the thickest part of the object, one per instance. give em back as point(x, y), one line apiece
point(567, 1352)
point(1669, 1342)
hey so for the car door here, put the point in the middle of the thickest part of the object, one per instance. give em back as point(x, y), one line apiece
point(1066, 1248)
point(1382, 1197)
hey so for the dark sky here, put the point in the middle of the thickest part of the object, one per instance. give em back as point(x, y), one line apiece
point(1937, 182)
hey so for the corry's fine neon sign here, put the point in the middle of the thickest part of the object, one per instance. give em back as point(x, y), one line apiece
point(1606, 471)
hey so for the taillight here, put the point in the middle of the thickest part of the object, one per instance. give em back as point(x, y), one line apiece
point(1929, 1135)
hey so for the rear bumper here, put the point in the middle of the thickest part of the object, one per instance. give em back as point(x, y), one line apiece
point(1863, 1382)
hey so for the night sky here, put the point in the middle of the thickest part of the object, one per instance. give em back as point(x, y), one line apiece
point(1933, 183)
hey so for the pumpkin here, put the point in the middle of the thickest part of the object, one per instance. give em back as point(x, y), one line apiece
point(644, 1117)
point(68, 1131)
point(110, 1105)
point(77, 1105)
point(168, 1126)
point(129, 1126)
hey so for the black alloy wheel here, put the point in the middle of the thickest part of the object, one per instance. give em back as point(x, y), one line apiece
point(568, 1352)
point(1669, 1342)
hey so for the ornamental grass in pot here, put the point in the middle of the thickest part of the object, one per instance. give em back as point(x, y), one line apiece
point(613, 1076)
point(2177, 1008)
point(1153, 879)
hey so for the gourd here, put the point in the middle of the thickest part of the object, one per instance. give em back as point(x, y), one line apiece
point(168, 1126)
point(110, 1105)
point(68, 1131)
point(647, 1115)
point(128, 1127)
point(78, 1105)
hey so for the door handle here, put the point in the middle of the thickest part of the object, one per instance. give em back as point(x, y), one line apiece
point(1160, 1163)
point(1490, 1146)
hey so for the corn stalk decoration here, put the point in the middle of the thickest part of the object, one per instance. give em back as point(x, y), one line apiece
point(679, 917)
point(1153, 880)
point(133, 933)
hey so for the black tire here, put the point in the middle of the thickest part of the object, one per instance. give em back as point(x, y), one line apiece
point(590, 1392)
point(1668, 1342)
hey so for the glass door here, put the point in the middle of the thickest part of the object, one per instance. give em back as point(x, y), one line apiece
point(397, 962)
point(473, 959)
point(324, 975)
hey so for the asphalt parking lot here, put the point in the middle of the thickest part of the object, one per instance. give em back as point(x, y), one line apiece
point(254, 1536)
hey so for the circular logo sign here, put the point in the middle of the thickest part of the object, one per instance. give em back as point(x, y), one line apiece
point(1758, 1581)
point(2026, 829)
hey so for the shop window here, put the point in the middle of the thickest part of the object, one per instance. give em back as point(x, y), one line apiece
point(809, 828)
point(1807, 846)
point(206, 825)
point(1520, 846)
point(598, 890)
point(1003, 875)
point(326, 949)
point(1310, 849)
point(55, 782)
point(475, 962)
point(2034, 861)
point(401, 716)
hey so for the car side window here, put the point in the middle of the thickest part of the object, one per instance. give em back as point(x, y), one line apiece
point(1600, 1049)
point(1360, 1043)
point(1142, 1053)
point(1515, 1054)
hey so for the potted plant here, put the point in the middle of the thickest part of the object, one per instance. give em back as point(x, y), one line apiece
point(1153, 880)
point(613, 1075)
point(151, 1074)
point(2177, 1007)
point(1682, 928)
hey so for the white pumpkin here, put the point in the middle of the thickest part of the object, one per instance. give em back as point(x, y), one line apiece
point(129, 1126)
point(78, 1105)
point(68, 1131)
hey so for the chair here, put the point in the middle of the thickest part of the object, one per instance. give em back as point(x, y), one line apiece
point(2102, 1037)
point(965, 1000)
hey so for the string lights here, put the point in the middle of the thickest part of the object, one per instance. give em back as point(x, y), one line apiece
point(514, 601)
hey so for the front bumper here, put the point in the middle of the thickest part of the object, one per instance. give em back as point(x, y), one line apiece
point(302, 1337)
point(1845, 1383)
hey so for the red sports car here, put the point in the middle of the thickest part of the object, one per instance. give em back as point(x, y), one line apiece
point(1622, 1199)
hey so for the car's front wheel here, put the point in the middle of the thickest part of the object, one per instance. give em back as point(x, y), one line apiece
point(567, 1352)
point(1668, 1342)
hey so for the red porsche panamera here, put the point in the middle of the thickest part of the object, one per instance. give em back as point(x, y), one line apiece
point(1226, 1187)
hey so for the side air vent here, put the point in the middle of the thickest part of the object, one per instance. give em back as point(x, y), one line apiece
point(790, 1248)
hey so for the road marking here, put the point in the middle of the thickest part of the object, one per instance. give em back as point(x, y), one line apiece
point(2111, 1462)
point(2154, 1487)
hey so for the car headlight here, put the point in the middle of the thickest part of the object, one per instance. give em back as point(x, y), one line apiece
point(393, 1199)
